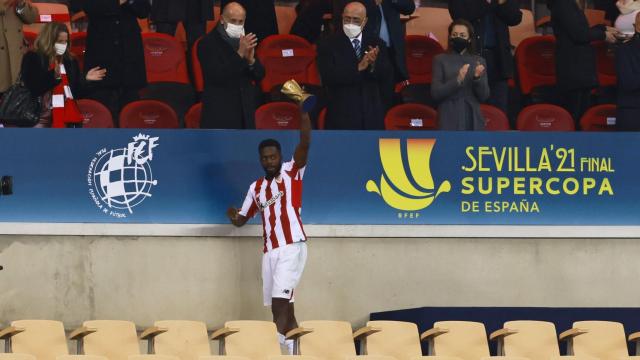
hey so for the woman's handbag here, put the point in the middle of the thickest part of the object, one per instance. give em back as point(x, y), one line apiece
point(18, 107)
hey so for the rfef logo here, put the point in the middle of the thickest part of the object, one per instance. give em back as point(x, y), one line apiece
point(396, 188)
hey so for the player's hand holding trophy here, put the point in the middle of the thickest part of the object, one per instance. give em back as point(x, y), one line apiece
point(295, 92)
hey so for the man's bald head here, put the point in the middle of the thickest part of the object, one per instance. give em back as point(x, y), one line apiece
point(234, 13)
point(354, 13)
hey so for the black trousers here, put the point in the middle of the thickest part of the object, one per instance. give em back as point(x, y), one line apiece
point(498, 86)
point(194, 30)
point(577, 102)
point(388, 83)
point(114, 99)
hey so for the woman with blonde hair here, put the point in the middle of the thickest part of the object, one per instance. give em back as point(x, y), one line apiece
point(50, 71)
point(13, 14)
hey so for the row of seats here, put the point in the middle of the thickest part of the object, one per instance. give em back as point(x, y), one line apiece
point(329, 340)
point(286, 115)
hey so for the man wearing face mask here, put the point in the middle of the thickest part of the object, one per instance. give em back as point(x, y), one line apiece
point(261, 16)
point(230, 69)
point(352, 64)
point(628, 70)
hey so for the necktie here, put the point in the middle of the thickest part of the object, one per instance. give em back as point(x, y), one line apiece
point(356, 47)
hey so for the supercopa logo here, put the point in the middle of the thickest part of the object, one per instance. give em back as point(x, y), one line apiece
point(120, 179)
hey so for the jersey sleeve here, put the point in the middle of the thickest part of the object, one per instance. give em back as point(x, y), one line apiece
point(249, 207)
point(293, 170)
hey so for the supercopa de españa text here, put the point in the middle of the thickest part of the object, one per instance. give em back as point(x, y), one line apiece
point(522, 165)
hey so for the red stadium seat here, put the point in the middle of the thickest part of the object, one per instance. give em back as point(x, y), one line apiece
point(30, 38)
point(78, 47)
point(49, 12)
point(599, 118)
point(196, 68)
point(535, 62)
point(94, 114)
point(420, 51)
point(322, 118)
point(164, 59)
point(605, 59)
point(545, 117)
point(285, 57)
point(192, 118)
point(148, 114)
point(411, 117)
point(278, 116)
point(494, 118)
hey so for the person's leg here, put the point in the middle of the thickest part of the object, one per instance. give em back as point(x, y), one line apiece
point(499, 97)
point(109, 98)
point(168, 28)
point(194, 31)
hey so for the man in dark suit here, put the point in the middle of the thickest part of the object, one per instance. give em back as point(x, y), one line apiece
point(261, 16)
point(230, 69)
point(491, 20)
point(114, 43)
point(194, 14)
point(351, 63)
point(384, 23)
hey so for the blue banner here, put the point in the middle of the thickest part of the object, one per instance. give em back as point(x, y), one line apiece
point(192, 176)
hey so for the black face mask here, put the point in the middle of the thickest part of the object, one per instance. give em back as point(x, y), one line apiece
point(459, 44)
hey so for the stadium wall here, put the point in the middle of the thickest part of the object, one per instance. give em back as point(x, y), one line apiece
point(217, 278)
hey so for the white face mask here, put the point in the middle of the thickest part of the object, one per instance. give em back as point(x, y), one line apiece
point(60, 48)
point(234, 31)
point(351, 30)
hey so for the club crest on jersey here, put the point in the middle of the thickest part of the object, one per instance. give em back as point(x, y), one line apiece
point(271, 201)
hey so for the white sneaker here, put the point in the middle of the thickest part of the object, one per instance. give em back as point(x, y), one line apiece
point(289, 344)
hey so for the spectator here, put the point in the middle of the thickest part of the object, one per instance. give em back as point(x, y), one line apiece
point(230, 69)
point(351, 63)
point(491, 20)
point(309, 23)
point(575, 57)
point(114, 43)
point(384, 23)
point(50, 72)
point(628, 70)
point(460, 81)
point(628, 11)
point(261, 16)
point(166, 14)
point(13, 14)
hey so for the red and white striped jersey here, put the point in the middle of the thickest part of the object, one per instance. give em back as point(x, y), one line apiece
point(279, 201)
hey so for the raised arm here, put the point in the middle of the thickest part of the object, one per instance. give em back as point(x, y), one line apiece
point(302, 150)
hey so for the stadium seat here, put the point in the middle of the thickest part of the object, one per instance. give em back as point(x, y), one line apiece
point(30, 38)
point(599, 118)
point(545, 117)
point(94, 114)
point(43, 339)
point(530, 339)
point(286, 16)
point(526, 28)
point(285, 57)
point(411, 117)
point(78, 47)
point(196, 68)
point(462, 339)
point(177, 95)
point(148, 114)
point(164, 58)
point(419, 51)
point(606, 65)
point(193, 116)
point(278, 116)
point(113, 339)
point(312, 338)
point(49, 12)
point(398, 339)
point(604, 340)
point(256, 340)
point(494, 118)
point(431, 20)
point(535, 64)
point(186, 340)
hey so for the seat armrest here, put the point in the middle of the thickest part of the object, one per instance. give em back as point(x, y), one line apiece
point(432, 333)
point(151, 332)
point(571, 333)
point(222, 333)
point(81, 332)
point(297, 333)
point(499, 334)
point(10, 331)
point(363, 332)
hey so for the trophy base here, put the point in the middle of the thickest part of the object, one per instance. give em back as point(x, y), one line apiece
point(309, 103)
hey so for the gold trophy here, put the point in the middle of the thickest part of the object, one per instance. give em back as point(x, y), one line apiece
point(294, 92)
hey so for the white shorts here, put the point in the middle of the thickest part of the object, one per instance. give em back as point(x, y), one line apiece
point(282, 269)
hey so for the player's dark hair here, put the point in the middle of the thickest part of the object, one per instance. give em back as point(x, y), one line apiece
point(267, 143)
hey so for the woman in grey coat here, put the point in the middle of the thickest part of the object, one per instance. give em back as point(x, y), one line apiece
point(459, 81)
